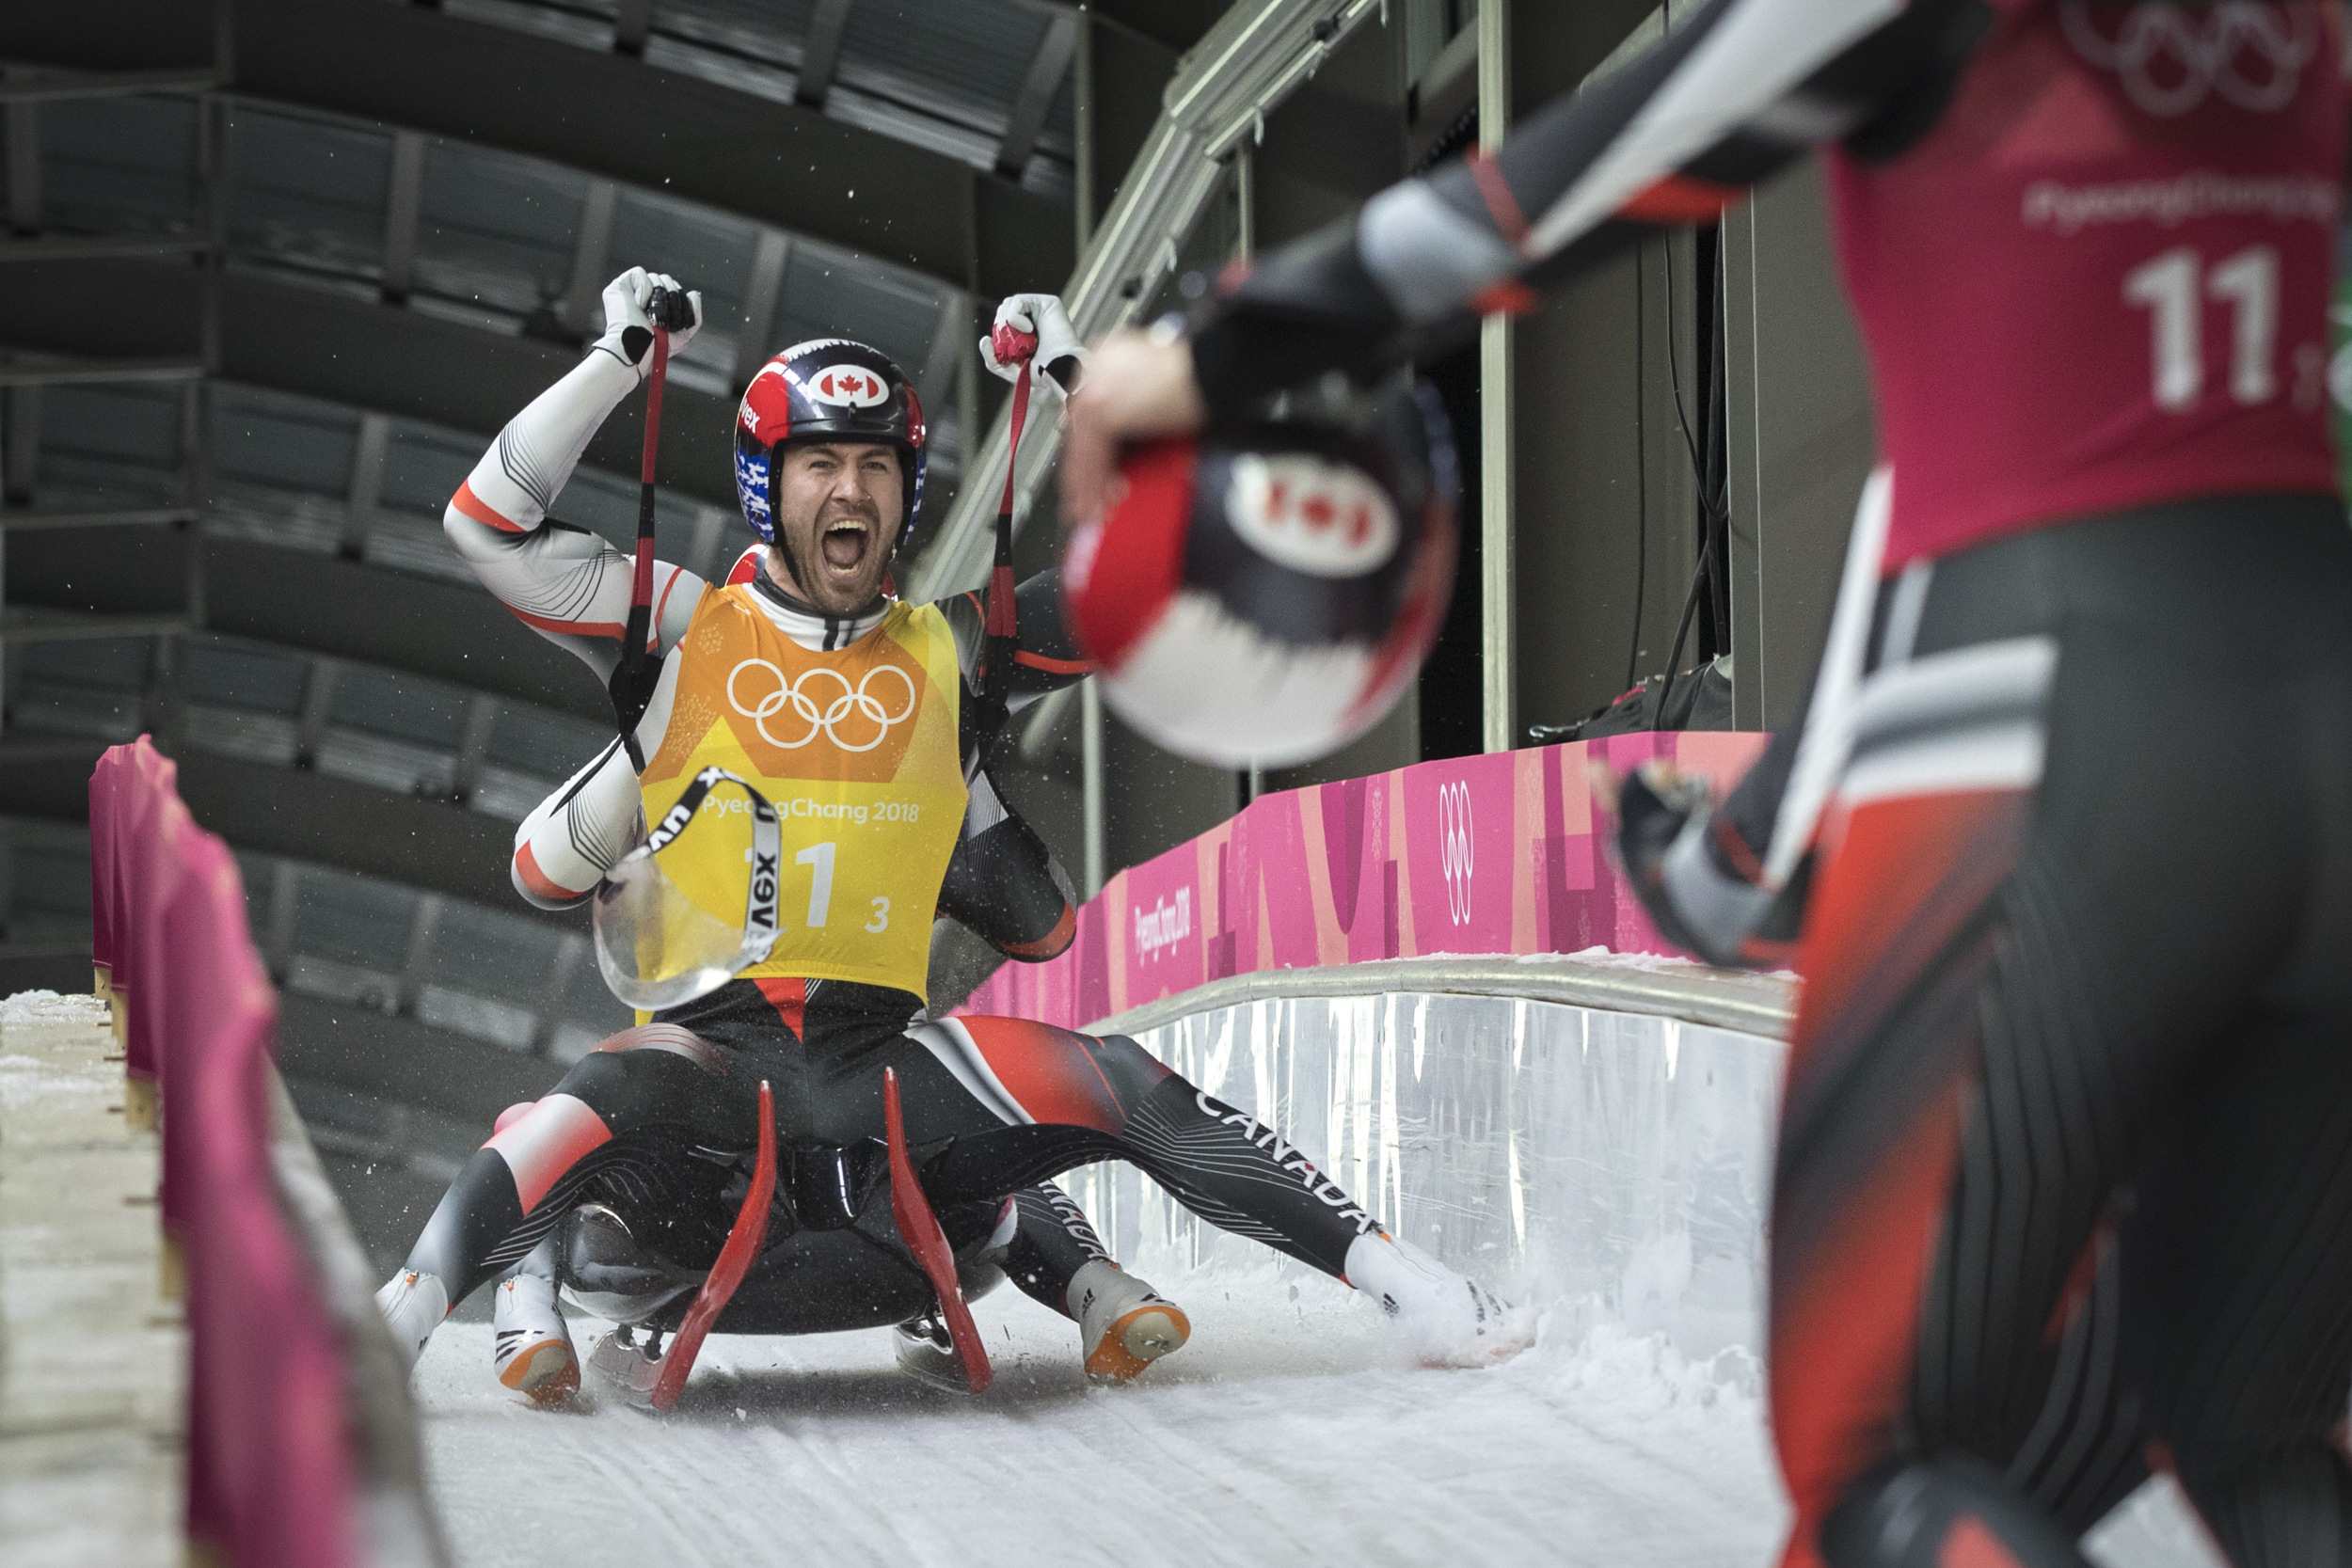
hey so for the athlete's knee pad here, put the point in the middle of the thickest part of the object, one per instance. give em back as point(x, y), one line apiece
point(1933, 1512)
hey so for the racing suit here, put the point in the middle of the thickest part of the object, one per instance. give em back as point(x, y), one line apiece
point(2065, 1167)
point(887, 768)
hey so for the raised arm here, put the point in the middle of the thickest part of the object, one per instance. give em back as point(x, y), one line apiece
point(563, 582)
point(580, 832)
point(1673, 137)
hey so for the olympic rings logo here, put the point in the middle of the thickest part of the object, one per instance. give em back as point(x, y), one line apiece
point(1455, 856)
point(801, 699)
point(2206, 56)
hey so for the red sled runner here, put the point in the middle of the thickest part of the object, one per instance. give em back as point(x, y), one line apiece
point(840, 1266)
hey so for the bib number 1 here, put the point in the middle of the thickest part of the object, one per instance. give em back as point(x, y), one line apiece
point(818, 859)
point(2173, 288)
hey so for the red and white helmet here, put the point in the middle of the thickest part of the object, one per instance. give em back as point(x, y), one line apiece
point(1264, 595)
point(825, 390)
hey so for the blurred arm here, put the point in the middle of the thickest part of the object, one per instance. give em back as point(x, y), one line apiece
point(1678, 134)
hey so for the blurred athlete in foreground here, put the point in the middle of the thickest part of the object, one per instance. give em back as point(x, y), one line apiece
point(2064, 1184)
point(861, 718)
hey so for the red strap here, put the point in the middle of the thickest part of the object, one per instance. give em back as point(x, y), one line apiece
point(735, 1261)
point(1020, 418)
point(1003, 617)
point(919, 1228)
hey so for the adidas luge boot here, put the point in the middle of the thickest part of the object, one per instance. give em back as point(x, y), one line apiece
point(413, 1306)
point(532, 1348)
point(1445, 1318)
point(1123, 1324)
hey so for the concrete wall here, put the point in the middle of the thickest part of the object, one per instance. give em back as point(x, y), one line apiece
point(1802, 438)
point(1607, 507)
point(1613, 1167)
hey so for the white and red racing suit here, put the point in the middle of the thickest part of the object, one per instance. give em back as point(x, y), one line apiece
point(994, 1106)
point(573, 588)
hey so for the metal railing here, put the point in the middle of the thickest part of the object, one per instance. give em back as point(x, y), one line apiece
point(1253, 58)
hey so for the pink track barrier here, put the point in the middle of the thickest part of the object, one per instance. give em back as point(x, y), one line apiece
point(1503, 853)
point(270, 1462)
point(105, 784)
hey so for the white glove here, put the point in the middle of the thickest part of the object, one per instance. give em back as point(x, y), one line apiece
point(1060, 357)
point(629, 327)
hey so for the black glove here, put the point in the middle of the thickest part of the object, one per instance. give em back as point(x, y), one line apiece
point(1660, 843)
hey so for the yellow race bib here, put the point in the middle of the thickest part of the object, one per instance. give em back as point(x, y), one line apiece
point(855, 748)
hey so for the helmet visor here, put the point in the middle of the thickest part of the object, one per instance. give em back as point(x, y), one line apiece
point(694, 905)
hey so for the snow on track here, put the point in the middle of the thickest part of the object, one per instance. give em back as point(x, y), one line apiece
point(1290, 1430)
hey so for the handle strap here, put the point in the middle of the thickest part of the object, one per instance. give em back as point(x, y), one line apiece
point(633, 679)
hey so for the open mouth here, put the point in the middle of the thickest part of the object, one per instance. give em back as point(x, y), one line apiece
point(845, 543)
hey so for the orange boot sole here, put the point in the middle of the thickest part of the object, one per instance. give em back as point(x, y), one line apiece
point(547, 1372)
point(1134, 1342)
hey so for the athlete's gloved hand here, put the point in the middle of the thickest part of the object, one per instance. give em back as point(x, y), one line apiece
point(1060, 355)
point(1140, 387)
point(1658, 808)
point(629, 322)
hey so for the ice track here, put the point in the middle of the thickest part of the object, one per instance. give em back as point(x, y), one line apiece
point(1288, 1431)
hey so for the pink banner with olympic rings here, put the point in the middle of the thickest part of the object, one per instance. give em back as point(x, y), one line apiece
point(1503, 853)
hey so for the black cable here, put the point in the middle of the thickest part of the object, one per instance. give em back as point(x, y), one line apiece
point(1690, 605)
point(1674, 375)
point(1714, 514)
point(1641, 585)
point(1718, 439)
point(1634, 677)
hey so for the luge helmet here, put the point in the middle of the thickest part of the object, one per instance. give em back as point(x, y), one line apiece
point(1262, 596)
point(825, 390)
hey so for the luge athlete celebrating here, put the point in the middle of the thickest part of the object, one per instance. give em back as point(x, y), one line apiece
point(1001, 883)
point(854, 713)
point(2064, 1183)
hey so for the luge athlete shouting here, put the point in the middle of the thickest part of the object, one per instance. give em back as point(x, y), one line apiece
point(876, 774)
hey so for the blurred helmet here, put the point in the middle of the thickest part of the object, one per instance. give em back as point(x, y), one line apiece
point(826, 390)
point(1261, 596)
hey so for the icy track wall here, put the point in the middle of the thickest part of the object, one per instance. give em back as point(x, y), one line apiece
point(1433, 981)
point(1611, 1166)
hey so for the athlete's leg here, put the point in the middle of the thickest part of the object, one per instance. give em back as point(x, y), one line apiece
point(1052, 1242)
point(1026, 1101)
point(2237, 1303)
point(2237, 1256)
point(2014, 968)
point(994, 1104)
point(616, 1112)
point(1057, 1259)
